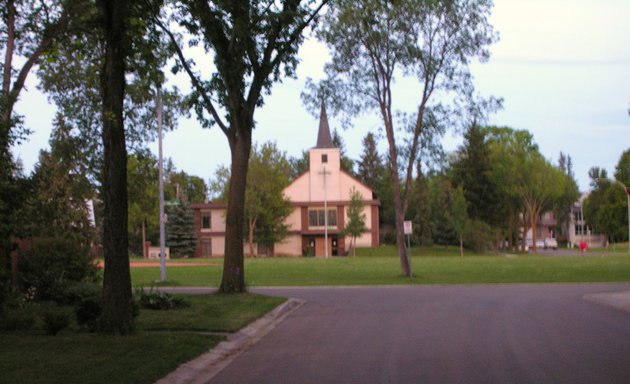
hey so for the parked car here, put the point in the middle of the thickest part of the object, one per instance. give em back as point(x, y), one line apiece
point(551, 243)
point(540, 244)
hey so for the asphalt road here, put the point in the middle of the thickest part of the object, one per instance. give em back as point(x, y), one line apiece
point(442, 334)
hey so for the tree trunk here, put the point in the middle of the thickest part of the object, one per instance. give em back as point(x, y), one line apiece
point(6, 167)
point(400, 231)
point(233, 280)
point(533, 219)
point(117, 315)
point(250, 239)
point(461, 246)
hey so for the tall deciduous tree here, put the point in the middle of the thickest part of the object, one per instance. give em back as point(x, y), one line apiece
point(143, 200)
point(252, 45)
point(458, 215)
point(28, 30)
point(266, 207)
point(117, 313)
point(372, 41)
point(525, 175)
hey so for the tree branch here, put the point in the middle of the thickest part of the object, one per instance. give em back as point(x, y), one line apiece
point(193, 78)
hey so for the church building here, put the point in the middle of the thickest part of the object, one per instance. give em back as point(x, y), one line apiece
point(320, 199)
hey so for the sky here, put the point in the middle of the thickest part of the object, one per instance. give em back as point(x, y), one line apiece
point(561, 66)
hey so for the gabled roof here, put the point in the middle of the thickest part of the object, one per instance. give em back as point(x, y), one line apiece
point(324, 139)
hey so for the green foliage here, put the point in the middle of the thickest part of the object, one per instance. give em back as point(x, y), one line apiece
point(355, 226)
point(370, 165)
point(372, 42)
point(157, 300)
point(528, 183)
point(143, 199)
point(180, 229)
point(471, 169)
point(265, 205)
point(17, 319)
point(55, 321)
point(605, 209)
point(347, 164)
point(60, 191)
point(87, 313)
point(299, 165)
point(182, 184)
point(622, 169)
point(457, 215)
point(53, 266)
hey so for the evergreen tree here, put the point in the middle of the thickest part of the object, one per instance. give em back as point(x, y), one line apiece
point(471, 170)
point(421, 210)
point(61, 191)
point(370, 165)
point(346, 163)
point(180, 229)
point(299, 165)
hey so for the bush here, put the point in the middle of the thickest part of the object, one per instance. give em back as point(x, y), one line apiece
point(478, 237)
point(17, 319)
point(54, 266)
point(160, 300)
point(55, 321)
point(87, 313)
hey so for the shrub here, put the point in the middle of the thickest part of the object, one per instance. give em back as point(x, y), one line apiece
point(87, 313)
point(17, 319)
point(160, 300)
point(54, 265)
point(55, 321)
point(478, 236)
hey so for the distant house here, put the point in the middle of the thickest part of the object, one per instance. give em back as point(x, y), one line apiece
point(320, 196)
point(573, 231)
point(579, 229)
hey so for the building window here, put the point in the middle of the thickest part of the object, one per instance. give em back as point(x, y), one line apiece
point(580, 230)
point(205, 221)
point(324, 158)
point(316, 218)
point(578, 215)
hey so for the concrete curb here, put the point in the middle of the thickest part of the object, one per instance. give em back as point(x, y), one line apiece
point(618, 300)
point(203, 368)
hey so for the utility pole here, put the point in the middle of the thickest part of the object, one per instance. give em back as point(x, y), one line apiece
point(161, 187)
point(325, 217)
point(324, 172)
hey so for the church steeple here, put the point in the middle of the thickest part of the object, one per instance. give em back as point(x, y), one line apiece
point(324, 139)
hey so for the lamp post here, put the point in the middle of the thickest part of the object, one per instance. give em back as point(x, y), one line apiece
point(161, 189)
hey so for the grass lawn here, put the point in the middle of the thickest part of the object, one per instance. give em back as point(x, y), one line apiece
point(438, 265)
point(75, 356)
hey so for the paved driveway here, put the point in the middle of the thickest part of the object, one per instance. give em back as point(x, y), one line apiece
point(442, 334)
